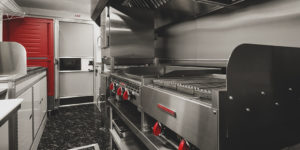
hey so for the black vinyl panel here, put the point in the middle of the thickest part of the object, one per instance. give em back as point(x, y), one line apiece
point(76, 100)
point(262, 108)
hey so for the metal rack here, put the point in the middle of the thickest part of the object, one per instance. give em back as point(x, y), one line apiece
point(135, 124)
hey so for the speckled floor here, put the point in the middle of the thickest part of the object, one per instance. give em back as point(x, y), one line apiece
point(74, 127)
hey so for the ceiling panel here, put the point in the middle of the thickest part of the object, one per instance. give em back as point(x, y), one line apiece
point(77, 6)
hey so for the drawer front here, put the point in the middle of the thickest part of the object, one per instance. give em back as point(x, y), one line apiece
point(25, 116)
point(44, 97)
point(4, 136)
point(37, 99)
point(196, 122)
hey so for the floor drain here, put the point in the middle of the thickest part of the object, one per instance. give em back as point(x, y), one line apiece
point(87, 147)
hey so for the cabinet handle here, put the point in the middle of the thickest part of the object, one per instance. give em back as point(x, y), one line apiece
point(30, 116)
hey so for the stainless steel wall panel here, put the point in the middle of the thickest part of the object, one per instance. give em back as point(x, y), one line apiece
point(126, 37)
point(12, 59)
point(208, 40)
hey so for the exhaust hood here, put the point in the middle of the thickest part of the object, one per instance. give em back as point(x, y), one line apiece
point(144, 3)
point(168, 11)
point(160, 3)
point(219, 2)
point(182, 10)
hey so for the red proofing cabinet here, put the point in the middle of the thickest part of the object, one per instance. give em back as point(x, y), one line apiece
point(36, 35)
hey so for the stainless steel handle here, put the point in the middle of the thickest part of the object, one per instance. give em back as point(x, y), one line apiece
point(167, 110)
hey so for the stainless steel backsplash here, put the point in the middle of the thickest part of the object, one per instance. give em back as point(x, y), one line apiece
point(209, 41)
point(12, 59)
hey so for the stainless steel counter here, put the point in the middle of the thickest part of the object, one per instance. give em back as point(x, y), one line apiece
point(8, 113)
point(32, 88)
point(20, 78)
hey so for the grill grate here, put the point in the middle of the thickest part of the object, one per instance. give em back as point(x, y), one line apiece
point(199, 87)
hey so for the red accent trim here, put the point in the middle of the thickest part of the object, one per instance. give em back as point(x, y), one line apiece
point(119, 91)
point(125, 95)
point(169, 111)
point(111, 86)
point(156, 129)
point(183, 145)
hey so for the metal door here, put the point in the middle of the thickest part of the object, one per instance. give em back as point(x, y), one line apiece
point(75, 62)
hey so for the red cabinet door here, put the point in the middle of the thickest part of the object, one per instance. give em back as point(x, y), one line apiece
point(36, 35)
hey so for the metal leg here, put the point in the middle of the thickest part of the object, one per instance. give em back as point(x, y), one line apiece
point(13, 134)
point(144, 122)
point(110, 117)
point(110, 126)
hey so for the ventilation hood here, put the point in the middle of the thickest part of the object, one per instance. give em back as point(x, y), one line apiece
point(182, 10)
point(154, 4)
point(145, 3)
point(168, 11)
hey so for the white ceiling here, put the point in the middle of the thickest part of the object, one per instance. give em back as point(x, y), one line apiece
point(76, 6)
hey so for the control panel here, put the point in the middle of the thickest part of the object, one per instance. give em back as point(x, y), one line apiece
point(124, 90)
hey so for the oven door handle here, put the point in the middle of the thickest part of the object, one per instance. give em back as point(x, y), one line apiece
point(167, 110)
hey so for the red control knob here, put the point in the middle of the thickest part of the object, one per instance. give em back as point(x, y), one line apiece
point(111, 86)
point(119, 91)
point(157, 129)
point(126, 95)
point(183, 145)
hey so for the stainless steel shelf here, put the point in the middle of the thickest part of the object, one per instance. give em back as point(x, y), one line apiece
point(151, 141)
point(127, 143)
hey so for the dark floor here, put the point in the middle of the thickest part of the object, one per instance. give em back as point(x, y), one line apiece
point(74, 127)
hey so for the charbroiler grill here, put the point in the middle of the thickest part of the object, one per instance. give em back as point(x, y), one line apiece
point(200, 87)
point(255, 105)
